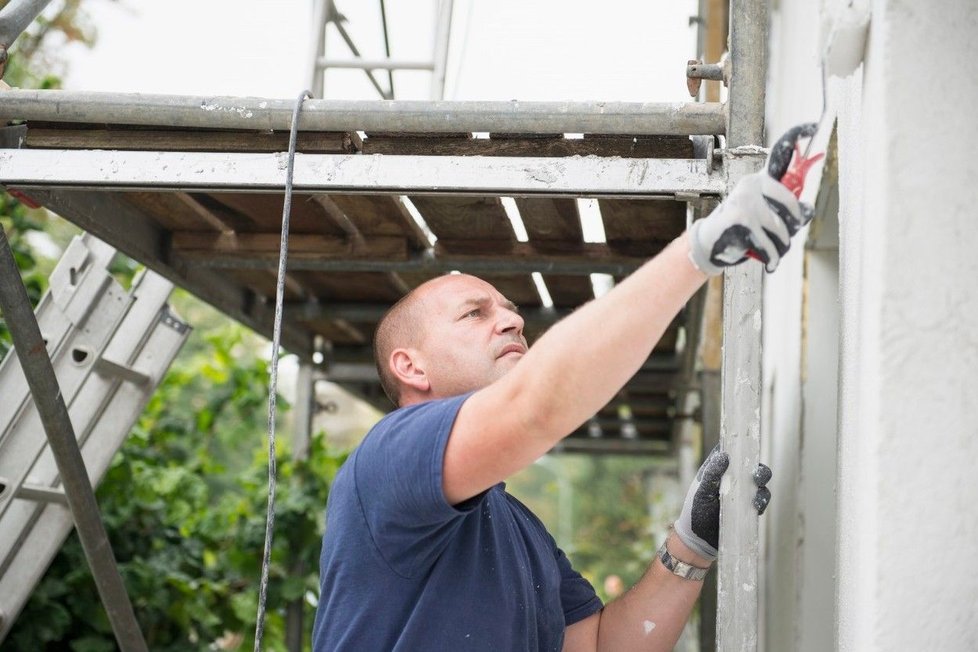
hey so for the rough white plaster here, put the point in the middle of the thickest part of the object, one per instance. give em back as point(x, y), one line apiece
point(908, 499)
point(794, 95)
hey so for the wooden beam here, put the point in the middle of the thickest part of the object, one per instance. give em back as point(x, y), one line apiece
point(555, 145)
point(255, 251)
point(204, 213)
point(48, 136)
point(265, 246)
point(139, 237)
point(339, 217)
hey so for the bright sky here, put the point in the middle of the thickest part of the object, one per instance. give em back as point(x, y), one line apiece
point(500, 50)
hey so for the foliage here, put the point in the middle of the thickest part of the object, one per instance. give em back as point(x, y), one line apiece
point(609, 512)
point(17, 221)
point(184, 500)
point(184, 503)
point(35, 58)
point(33, 55)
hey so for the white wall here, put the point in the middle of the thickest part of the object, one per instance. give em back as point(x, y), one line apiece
point(908, 495)
point(798, 567)
point(906, 517)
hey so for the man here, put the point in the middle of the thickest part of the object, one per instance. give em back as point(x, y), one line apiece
point(424, 549)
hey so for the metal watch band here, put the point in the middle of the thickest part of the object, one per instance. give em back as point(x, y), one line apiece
point(680, 568)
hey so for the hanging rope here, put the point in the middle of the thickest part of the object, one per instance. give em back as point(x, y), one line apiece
point(273, 374)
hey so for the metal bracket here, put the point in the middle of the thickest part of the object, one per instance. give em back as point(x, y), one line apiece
point(13, 136)
point(739, 161)
point(697, 71)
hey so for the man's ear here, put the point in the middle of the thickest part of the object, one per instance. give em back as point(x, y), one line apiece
point(406, 367)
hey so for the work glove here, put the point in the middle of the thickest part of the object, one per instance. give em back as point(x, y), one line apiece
point(699, 523)
point(758, 217)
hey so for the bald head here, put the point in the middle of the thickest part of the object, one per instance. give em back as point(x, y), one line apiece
point(446, 337)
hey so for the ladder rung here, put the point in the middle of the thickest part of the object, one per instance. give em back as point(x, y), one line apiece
point(106, 366)
point(41, 494)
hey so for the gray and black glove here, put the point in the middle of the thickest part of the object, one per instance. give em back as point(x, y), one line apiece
point(757, 219)
point(699, 523)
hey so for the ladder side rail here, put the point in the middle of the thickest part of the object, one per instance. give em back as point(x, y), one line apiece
point(29, 344)
point(51, 522)
point(53, 313)
point(91, 307)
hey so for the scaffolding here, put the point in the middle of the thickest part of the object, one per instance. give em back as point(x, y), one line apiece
point(395, 192)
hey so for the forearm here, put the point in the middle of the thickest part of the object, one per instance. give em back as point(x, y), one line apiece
point(585, 359)
point(652, 614)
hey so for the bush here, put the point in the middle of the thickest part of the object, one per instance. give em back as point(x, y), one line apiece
point(184, 503)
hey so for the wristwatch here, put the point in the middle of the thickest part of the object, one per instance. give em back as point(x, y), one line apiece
point(680, 568)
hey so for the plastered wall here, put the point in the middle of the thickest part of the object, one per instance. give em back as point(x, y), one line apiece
point(908, 491)
point(797, 569)
point(903, 570)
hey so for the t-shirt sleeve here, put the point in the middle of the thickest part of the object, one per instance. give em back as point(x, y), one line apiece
point(578, 598)
point(398, 477)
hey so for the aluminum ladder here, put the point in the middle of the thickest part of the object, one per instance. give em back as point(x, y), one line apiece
point(110, 349)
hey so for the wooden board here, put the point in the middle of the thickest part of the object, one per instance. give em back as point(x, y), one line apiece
point(545, 145)
point(262, 283)
point(641, 227)
point(168, 210)
point(52, 136)
point(466, 218)
point(262, 212)
point(379, 215)
point(569, 291)
point(194, 244)
point(367, 287)
point(549, 222)
point(339, 332)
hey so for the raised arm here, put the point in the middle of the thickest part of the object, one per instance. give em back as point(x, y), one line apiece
point(574, 369)
point(584, 360)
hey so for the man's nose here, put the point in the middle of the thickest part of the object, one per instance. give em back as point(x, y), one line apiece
point(509, 321)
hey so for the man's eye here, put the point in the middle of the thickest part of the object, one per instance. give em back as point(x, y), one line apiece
point(474, 313)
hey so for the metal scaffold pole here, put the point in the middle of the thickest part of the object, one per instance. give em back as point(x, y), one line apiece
point(443, 30)
point(39, 373)
point(737, 577)
point(14, 19)
point(254, 113)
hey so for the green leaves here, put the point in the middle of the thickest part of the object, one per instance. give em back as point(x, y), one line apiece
point(184, 503)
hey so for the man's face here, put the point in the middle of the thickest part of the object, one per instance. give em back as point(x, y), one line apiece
point(472, 336)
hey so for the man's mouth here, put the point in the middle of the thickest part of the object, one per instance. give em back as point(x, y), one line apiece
point(512, 348)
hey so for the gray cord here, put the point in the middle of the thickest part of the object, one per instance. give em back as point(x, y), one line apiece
point(273, 375)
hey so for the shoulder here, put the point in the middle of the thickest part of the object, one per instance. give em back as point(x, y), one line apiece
point(430, 417)
point(407, 441)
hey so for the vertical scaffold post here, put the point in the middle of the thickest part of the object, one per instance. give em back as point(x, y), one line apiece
point(321, 15)
point(443, 30)
point(305, 409)
point(737, 577)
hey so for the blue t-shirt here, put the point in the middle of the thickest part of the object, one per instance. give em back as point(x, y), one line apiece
point(401, 569)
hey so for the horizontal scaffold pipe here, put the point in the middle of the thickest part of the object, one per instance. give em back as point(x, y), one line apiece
point(385, 174)
point(515, 117)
